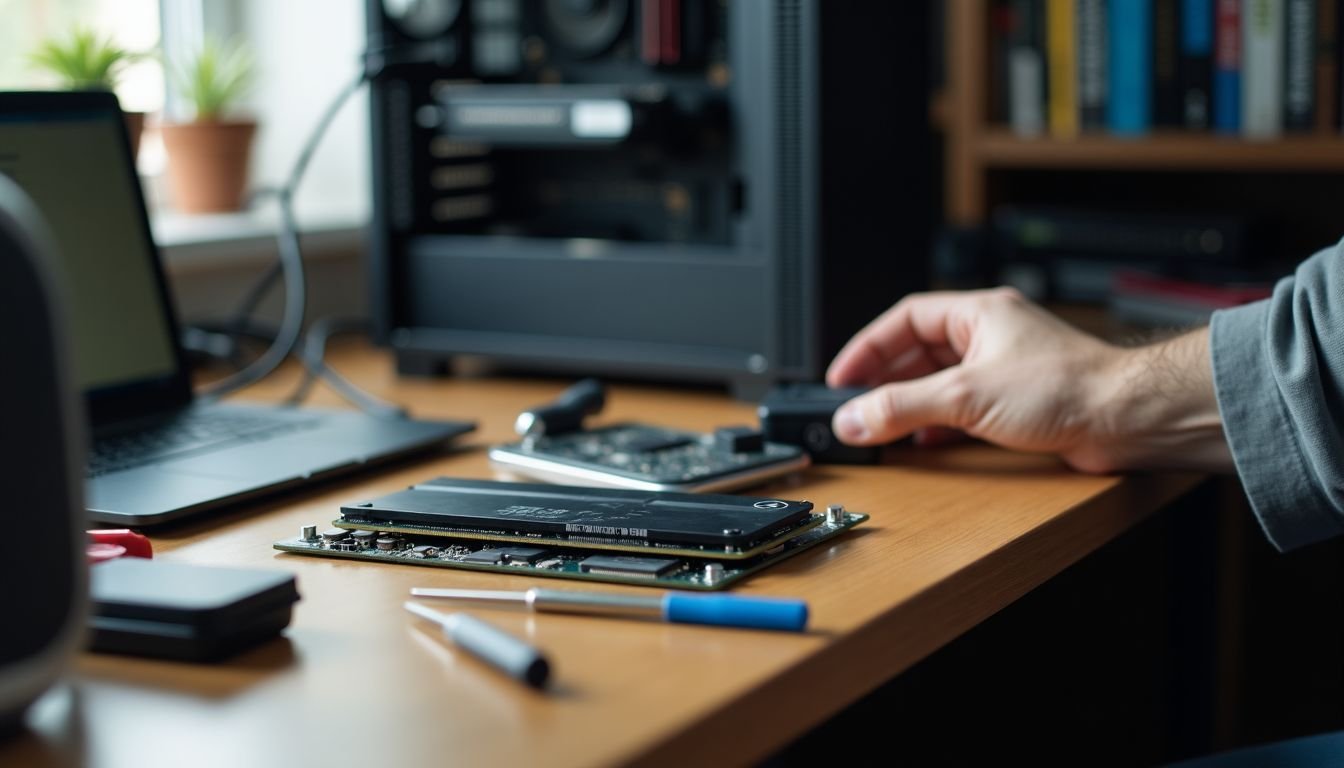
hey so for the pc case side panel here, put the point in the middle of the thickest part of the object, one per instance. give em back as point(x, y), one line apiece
point(775, 82)
point(877, 165)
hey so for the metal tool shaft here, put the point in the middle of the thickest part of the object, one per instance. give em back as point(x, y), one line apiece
point(559, 601)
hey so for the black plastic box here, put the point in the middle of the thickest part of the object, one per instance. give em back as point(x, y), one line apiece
point(800, 414)
point(185, 612)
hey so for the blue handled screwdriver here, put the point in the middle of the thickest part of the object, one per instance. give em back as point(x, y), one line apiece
point(721, 610)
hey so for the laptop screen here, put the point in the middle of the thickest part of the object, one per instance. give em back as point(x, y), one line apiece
point(74, 166)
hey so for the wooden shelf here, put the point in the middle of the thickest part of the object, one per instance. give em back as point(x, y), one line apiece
point(939, 110)
point(1000, 148)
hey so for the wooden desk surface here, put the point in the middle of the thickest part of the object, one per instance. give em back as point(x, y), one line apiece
point(956, 534)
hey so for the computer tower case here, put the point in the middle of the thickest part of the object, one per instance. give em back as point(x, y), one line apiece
point(714, 190)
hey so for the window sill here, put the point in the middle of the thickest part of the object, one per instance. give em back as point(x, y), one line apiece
point(199, 242)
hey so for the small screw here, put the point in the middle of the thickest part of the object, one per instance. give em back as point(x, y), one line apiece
point(713, 573)
point(835, 514)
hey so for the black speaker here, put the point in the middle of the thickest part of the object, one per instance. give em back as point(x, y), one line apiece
point(684, 189)
point(42, 572)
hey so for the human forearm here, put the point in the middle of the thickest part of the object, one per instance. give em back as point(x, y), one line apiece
point(1155, 407)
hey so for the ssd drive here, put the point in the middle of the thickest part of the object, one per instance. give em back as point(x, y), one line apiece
point(584, 514)
point(671, 540)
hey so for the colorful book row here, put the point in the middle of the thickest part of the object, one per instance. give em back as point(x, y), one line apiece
point(1255, 68)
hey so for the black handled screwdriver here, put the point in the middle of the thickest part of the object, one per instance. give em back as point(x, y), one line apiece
point(564, 414)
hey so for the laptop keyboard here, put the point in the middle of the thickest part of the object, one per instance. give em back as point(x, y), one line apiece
point(187, 433)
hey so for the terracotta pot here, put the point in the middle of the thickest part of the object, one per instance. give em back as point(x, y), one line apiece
point(135, 125)
point(207, 164)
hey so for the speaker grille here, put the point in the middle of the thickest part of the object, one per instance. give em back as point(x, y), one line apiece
point(789, 244)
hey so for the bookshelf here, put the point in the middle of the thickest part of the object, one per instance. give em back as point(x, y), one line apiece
point(1000, 148)
point(982, 159)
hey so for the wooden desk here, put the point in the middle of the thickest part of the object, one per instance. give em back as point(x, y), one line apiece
point(956, 534)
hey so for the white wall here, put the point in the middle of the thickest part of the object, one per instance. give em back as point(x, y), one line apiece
point(307, 51)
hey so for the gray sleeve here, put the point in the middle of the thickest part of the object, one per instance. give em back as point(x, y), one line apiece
point(1278, 367)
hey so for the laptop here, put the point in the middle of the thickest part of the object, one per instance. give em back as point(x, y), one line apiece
point(158, 454)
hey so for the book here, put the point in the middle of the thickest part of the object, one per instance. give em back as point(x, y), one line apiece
point(1142, 298)
point(1262, 54)
point(1299, 75)
point(1061, 59)
point(1167, 112)
point(1026, 69)
point(1129, 72)
point(1196, 65)
point(1227, 67)
point(1001, 27)
point(1092, 64)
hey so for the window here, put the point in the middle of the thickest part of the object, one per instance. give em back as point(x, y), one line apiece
point(299, 70)
point(133, 24)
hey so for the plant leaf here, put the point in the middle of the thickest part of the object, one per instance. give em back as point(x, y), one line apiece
point(214, 78)
point(83, 60)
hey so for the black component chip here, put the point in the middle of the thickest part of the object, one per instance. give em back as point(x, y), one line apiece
point(523, 555)
point(739, 440)
point(484, 557)
point(638, 567)
point(655, 443)
point(532, 509)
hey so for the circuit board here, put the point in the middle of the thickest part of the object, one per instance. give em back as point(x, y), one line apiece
point(562, 559)
point(647, 457)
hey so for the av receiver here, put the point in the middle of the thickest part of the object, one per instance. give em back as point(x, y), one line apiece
point(715, 190)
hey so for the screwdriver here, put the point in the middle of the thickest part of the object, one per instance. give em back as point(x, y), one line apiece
point(721, 610)
point(495, 647)
point(563, 414)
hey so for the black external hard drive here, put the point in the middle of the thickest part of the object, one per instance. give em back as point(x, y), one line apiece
point(800, 414)
point(185, 612)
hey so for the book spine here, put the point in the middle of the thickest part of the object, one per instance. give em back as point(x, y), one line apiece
point(1130, 77)
point(1092, 64)
point(1327, 66)
point(1227, 67)
point(1262, 68)
point(1166, 59)
point(1196, 63)
point(1061, 59)
point(1001, 27)
point(1299, 75)
point(1026, 70)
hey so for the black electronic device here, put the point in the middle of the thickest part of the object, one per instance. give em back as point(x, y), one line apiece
point(159, 452)
point(556, 447)
point(685, 541)
point(1075, 255)
point(42, 577)
point(689, 189)
point(183, 611)
point(800, 414)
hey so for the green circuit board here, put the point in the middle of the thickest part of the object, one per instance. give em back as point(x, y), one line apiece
point(536, 556)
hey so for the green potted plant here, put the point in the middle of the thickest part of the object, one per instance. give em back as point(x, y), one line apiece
point(85, 60)
point(208, 155)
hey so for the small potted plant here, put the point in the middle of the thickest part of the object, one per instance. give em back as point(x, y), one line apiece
point(208, 155)
point(85, 60)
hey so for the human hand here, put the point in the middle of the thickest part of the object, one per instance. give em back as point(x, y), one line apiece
point(999, 368)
